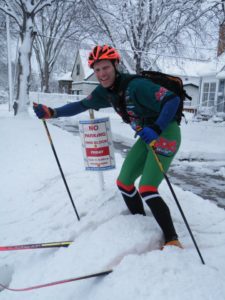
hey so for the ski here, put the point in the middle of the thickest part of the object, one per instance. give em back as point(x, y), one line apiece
point(104, 273)
point(35, 246)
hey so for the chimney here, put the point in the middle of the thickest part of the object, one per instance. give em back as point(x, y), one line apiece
point(221, 42)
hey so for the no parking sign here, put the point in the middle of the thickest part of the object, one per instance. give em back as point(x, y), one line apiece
point(97, 144)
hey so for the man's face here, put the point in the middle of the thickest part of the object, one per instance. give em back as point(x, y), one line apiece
point(105, 73)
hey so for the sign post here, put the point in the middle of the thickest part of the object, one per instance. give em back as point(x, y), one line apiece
point(97, 146)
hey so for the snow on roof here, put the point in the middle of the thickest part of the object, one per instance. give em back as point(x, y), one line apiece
point(191, 82)
point(187, 67)
point(84, 54)
point(211, 67)
point(221, 74)
point(65, 76)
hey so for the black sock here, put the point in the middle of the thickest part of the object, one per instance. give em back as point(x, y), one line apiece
point(161, 212)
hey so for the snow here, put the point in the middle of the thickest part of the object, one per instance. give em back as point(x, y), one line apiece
point(65, 76)
point(84, 54)
point(221, 75)
point(191, 81)
point(35, 208)
point(187, 67)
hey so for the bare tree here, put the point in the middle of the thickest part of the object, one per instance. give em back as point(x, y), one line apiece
point(3, 35)
point(55, 25)
point(23, 12)
point(220, 13)
point(154, 26)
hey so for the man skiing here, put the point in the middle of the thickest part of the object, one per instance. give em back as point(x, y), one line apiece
point(151, 111)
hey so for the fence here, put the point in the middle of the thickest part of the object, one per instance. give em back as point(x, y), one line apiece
point(53, 99)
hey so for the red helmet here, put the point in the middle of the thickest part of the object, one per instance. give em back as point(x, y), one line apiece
point(101, 53)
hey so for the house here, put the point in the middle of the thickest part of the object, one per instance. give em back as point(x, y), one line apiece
point(191, 86)
point(212, 91)
point(187, 70)
point(65, 83)
point(84, 79)
point(204, 81)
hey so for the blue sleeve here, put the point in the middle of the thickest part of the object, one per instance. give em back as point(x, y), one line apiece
point(168, 112)
point(70, 109)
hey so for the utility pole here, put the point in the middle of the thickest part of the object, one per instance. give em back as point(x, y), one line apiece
point(9, 62)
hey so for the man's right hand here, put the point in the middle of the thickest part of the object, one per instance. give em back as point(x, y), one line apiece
point(42, 111)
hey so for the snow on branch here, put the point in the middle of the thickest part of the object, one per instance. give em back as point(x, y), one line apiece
point(39, 5)
point(9, 10)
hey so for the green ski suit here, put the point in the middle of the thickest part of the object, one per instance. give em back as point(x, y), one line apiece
point(144, 101)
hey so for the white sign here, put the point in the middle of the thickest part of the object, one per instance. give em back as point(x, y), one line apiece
point(97, 144)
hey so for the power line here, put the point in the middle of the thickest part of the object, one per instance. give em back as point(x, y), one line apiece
point(89, 45)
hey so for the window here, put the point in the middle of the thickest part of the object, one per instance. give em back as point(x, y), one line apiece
point(209, 92)
point(78, 69)
point(221, 96)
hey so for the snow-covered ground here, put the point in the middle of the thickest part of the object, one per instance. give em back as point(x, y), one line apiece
point(35, 208)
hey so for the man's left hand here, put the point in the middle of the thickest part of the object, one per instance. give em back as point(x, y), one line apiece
point(147, 134)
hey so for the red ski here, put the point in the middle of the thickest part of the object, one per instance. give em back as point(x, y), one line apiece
point(56, 282)
point(35, 246)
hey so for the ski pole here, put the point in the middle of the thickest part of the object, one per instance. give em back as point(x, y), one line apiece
point(60, 168)
point(175, 198)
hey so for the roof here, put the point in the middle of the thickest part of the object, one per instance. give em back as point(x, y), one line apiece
point(191, 80)
point(65, 76)
point(84, 54)
point(191, 83)
point(213, 67)
point(220, 74)
point(185, 67)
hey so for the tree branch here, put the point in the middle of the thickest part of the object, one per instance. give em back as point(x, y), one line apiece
point(9, 11)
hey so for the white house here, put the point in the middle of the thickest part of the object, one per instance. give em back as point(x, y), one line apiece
point(191, 86)
point(204, 82)
point(187, 70)
point(212, 92)
point(84, 79)
point(65, 83)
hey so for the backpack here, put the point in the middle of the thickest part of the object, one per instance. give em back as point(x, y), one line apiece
point(172, 83)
